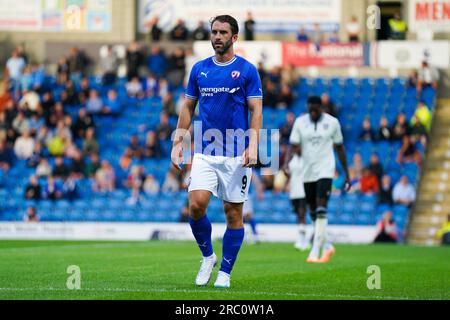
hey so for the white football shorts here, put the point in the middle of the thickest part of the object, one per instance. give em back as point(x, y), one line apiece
point(224, 177)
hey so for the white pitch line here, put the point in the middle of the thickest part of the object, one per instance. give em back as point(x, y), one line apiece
point(256, 293)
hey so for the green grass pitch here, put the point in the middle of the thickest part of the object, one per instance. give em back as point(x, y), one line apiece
point(166, 270)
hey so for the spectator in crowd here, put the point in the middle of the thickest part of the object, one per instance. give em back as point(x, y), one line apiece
point(92, 166)
point(200, 33)
point(62, 67)
point(409, 152)
point(157, 61)
point(77, 165)
point(285, 130)
point(334, 37)
point(171, 183)
point(179, 31)
point(338, 183)
point(270, 94)
point(302, 36)
point(375, 166)
point(30, 101)
point(397, 27)
point(109, 63)
point(413, 79)
point(38, 153)
point(35, 123)
point(249, 27)
point(400, 128)
point(427, 77)
point(60, 170)
point(15, 66)
point(152, 148)
point(135, 147)
point(77, 62)
point(404, 192)
point(33, 189)
point(26, 80)
point(385, 192)
point(69, 187)
point(151, 86)
point(84, 121)
point(164, 129)
point(31, 215)
point(44, 135)
point(357, 165)
point(285, 97)
point(163, 88)
point(84, 90)
point(134, 60)
point(105, 178)
point(384, 132)
point(176, 67)
point(57, 115)
point(47, 105)
point(24, 146)
point(328, 106)
point(135, 181)
point(422, 115)
point(367, 133)
point(6, 156)
point(94, 104)
point(20, 123)
point(90, 145)
point(155, 32)
point(418, 130)
point(169, 104)
point(43, 169)
point(52, 190)
point(386, 229)
point(112, 104)
point(316, 36)
point(21, 52)
point(151, 185)
point(134, 88)
point(354, 180)
point(444, 232)
point(126, 159)
point(368, 182)
point(353, 30)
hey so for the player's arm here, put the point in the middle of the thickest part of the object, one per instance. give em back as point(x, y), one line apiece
point(340, 149)
point(251, 153)
point(184, 122)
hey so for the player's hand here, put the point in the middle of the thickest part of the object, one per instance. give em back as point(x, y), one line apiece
point(286, 171)
point(250, 158)
point(347, 184)
point(176, 155)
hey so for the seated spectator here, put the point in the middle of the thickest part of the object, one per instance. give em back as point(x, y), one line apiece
point(385, 192)
point(105, 178)
point(134, 88)
point(171, 184)
point(404, 192)
point(375, 166)
point(135, 147)
point(367, 133)
point(52, 189)
point(135, 181)
point(36, 156)
point(24, 146)
point(386, 229)
point(384, 132)
point(70, 95)
point(60, 170)
point(126, 159)
point(69, 188)
point(112, 106)
point(427, 77)
point(56, 145)
point(270, 94)
point(31, 215)
point(151, 185)
point(151, 86)
point(413, 79)
point(85, 90)
point(43, 169)
point(33, 189)
point(418, 131)
point(92, 166)
point(20, 123)
point(444, 232)
point(400, 128)
point(84, 121)
point(328, 106)
point(169, 104)
point(152, 147)
point(334, 37)
point(423, 116)
point(368, 182)
point(35, 123)
point(77, 166)
point(94, 104)
point(338, 183)
point(155, 31)
point(285, 130)
point(302, 35)
point(163, 87)
point(285, 98)
point(409, 151)
point(179, 31)
point(164, 129)
point(357, 165)
point(30, 101)
point(90, 145)
point(63, 130)
point(57, 115)
point(157, 61)
point(6, 156)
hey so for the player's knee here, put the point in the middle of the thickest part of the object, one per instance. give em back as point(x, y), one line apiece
point(233, 215)
point(196, 209)
point(321, 213)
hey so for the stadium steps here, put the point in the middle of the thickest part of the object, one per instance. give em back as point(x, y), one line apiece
point(433, 200)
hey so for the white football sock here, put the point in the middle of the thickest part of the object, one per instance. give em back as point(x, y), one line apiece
point(319, 236)
point(301, 233)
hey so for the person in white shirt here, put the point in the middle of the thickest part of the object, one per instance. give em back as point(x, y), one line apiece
point(314, 137)
point(427, 77)
point(404, 192)
point(15, 66)
point(353, 29)
point(24, 146)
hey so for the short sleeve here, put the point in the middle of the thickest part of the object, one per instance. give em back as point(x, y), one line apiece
point(295, 137)
point(253, 86)
point(192, 91)
point(337, 135)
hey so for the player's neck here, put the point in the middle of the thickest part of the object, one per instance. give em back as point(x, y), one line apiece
point(224, 58)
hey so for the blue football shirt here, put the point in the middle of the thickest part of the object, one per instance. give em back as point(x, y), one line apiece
point(223, 90)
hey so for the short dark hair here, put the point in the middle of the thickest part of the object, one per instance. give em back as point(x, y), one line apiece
point(228, 19)
point(315, 100)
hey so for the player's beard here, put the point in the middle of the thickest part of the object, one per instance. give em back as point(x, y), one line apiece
point(224, 49)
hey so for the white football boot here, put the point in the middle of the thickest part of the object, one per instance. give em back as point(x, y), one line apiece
point(223, 280)
point(206, 269)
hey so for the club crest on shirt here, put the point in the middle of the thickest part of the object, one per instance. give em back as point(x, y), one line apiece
point(325, 126)
point(235, 74)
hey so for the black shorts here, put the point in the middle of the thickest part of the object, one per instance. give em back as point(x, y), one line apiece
point(320, 189)
point(298, 204)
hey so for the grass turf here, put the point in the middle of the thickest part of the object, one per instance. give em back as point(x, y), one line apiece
point(166, 270)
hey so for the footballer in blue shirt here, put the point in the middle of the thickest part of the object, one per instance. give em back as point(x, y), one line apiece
point(227, 89)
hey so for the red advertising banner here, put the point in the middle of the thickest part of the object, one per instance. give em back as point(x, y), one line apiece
point(325, 55)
